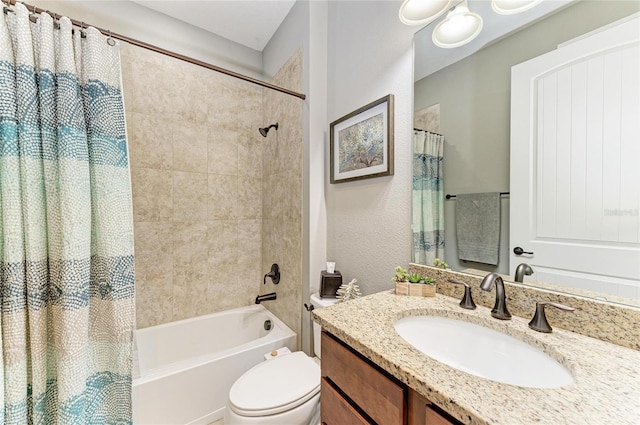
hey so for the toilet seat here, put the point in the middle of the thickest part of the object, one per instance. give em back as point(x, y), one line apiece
point(276, 386)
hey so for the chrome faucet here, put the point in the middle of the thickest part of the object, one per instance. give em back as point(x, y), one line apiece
point(500, 308)
point(522, 270)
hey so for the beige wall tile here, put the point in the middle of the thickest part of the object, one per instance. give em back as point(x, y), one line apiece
point(189, 147)
point(189, 290)
point(250, 251)
point(225, 296)
point(153, 249)
point(154, 303)
point(223, 197)
point(282, 197)
point(223, 150)
point(149, 141)
point(202, 179)
point(189, 196)
point(249, 198)
point(190, 246)
point(152, 192)
point(222, 238)
point(154, 272)
point(250, 155)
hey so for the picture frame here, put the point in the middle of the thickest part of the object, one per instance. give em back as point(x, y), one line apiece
point(361, 143)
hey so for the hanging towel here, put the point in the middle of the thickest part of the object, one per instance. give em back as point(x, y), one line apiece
point(478, 227)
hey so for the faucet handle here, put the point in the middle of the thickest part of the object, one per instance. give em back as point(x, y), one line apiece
point(539, 322)
point(467, 301)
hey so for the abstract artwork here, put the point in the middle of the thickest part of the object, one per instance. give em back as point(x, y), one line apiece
point(362, 142)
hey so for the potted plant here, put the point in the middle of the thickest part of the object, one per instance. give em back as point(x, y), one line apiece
point(440, 264)
point(421, 286)
point(401, 280)
point(413, 284)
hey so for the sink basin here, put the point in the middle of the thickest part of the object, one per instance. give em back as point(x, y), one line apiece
point(482, 352)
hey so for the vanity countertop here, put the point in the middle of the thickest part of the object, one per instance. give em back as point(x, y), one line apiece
point(606, 387)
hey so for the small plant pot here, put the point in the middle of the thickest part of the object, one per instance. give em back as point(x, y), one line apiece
point(422, 290)
point(402, 288)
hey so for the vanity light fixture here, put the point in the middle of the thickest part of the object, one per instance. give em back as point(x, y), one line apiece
point(511, 7)
point(423, 12)
point(458, 28)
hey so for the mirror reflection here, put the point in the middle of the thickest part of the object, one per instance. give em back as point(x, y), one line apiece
point(465, 104)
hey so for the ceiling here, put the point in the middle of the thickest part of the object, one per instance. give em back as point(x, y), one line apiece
point(429, 58)
point(251, 23)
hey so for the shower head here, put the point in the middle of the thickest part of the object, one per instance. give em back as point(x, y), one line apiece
point(265, 130)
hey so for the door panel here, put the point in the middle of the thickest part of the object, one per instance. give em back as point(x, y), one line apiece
point(575, 162)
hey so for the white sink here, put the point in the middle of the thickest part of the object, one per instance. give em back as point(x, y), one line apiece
point(482, 352)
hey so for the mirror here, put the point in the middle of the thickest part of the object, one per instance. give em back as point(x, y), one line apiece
point(464, 94)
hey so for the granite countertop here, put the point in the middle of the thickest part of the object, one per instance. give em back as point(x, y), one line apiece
point(606, 387)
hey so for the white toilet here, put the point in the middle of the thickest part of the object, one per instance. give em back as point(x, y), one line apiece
point(285, 390)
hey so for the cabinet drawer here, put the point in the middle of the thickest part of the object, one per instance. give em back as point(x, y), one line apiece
point(335, 410)
point(377, 395)
point(434, 418)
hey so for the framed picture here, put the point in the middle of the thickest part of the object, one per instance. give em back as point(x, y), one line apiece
point(361, 143)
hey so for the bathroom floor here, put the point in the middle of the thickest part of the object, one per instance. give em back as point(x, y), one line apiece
point(218, 422)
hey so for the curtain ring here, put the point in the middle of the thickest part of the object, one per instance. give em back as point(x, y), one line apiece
point(6, 9)
point(56, 21)
point(33, 16)
point(110, 41)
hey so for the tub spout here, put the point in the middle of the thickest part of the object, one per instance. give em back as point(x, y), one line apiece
point(266, 297)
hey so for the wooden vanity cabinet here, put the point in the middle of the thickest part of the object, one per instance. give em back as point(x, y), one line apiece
point(423, 412)
point(355, 391)
point(377, 397)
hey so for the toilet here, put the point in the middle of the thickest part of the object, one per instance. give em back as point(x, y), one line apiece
point(285, 390)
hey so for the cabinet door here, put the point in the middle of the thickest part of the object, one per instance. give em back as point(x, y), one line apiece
point(381, 398)
point(421, 412)
point(335, 410)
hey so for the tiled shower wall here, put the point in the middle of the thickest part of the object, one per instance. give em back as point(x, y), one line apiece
point(197, 179)
point(282, 194)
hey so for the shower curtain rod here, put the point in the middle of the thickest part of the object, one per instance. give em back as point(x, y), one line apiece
point(426, 131)
point(165, 52)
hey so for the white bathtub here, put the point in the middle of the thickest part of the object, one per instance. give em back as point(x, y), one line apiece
point(185, 369)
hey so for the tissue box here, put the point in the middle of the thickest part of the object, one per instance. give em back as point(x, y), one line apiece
point(329, 283)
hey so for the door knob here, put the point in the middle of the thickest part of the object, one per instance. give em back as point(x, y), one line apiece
point(519, 251)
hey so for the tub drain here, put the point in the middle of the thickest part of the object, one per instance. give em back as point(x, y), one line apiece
point(267, 325)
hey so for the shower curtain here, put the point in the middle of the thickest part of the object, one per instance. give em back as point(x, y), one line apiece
point(428, 198)
point(66, 232)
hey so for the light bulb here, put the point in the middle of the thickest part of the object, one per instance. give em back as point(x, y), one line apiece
point(422, 12)
point(458, 28)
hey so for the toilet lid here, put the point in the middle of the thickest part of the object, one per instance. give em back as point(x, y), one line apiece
point(276, 385)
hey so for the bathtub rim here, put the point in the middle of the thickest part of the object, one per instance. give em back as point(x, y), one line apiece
point(279, 331)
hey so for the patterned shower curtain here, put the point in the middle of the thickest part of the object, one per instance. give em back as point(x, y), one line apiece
point(428, 198)
point(66, 232)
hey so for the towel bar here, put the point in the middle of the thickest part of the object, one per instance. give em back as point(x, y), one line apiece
point(453, 196)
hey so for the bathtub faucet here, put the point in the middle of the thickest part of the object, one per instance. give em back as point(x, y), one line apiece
point(266, 297)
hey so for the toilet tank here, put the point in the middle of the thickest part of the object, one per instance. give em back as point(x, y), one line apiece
point(319, 303)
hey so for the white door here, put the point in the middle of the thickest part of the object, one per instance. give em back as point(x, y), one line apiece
point(575, 162)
